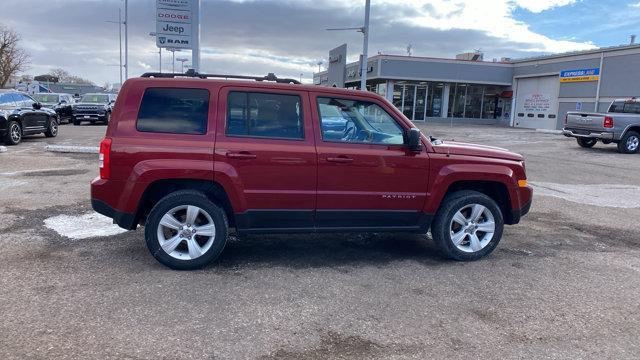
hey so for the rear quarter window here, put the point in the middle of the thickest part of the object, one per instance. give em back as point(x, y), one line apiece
point(174, 111)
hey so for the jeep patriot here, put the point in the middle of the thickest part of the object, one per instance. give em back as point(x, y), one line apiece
point(191, 157)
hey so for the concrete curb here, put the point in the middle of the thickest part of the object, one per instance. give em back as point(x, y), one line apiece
point(74, 149)
point(3, 149)
point(547, 131)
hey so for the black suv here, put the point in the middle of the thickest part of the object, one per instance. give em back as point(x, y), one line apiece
point(61, 103)
point(93, 108)
point(21, 115)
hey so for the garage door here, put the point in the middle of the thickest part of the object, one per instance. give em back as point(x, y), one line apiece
point(537, 102)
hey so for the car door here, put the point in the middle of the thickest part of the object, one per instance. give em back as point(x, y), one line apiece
point(367, 177)
point(265, 148)
point(32, 119)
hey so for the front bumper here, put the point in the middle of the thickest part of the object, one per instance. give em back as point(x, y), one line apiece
point(90, 117)
point(579, 133)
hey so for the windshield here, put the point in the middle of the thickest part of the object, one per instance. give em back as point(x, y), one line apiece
point(47, 98)
point(95, 99)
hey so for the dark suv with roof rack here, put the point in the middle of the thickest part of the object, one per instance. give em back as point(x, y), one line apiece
point(190, 157)
point(93, 108)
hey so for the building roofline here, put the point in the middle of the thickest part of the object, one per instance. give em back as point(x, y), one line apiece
point(576, 53)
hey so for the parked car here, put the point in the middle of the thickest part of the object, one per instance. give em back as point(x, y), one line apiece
point(93, 108)
point(619, 125)
point(190, 158)
point(61, 103)
point(21, 115)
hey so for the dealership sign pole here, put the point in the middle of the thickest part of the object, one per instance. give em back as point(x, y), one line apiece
point(178, 26)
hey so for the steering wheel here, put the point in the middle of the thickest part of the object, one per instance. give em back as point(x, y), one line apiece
point(349, 132)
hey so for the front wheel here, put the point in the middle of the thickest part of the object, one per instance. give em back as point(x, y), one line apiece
point(468, 226)
point(14, 133)
point(52, 128)
point(587, 143)
point(630, 143)
point(186, 231)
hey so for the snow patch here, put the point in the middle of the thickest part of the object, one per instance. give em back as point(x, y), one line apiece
point(3, 149)
point(603, 195)
point(72, 149)
point(83, 226)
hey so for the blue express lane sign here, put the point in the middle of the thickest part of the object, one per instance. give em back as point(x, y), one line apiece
point(580, 75)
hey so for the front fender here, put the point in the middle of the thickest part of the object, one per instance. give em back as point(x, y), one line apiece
point(443, 177)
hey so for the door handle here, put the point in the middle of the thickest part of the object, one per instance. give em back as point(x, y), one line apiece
point(243, 155)
point(340, 159)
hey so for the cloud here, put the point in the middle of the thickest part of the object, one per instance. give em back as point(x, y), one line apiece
point(287, 37)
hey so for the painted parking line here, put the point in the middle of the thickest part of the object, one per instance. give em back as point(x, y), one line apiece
point(83, 226)
point(603, 195)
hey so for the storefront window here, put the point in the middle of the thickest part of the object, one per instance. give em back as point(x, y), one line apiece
point(434, 99)
point(397, 96)
point(473, 101)
point(409, 100)
point(457, 100)
point(421, 103)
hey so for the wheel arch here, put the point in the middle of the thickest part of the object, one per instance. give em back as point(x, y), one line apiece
point(157, 190)
point(496, 190)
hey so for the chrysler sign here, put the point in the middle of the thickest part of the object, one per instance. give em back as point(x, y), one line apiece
point(174, 23)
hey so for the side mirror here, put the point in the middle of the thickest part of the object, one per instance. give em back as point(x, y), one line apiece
point(37, 105)
point(413, 140)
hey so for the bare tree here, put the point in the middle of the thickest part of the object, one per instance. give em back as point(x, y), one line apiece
point(13, 59)
point(65, 77)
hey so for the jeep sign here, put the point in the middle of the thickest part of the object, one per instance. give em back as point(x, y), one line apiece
point(174, 23)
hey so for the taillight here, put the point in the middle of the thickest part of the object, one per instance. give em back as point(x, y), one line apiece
point(104, 158)
point(608, 122)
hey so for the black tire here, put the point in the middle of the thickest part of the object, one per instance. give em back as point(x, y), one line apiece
point(52, 128)
point(14, 133)
point(586, 142)
point(107, 118)
point(92, 122)
point(186, 198)
point(76, 122)
point(441, 228)
point(630, 143)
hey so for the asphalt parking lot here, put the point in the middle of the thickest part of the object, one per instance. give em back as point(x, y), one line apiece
point(564, 283)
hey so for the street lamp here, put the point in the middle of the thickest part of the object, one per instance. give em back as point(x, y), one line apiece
point(320, 65)
point(119, 22)
point(182, 60)
point(159, 52)
point(365, 45)
point(173, 58)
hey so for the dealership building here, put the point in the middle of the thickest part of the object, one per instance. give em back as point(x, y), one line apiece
point(530, 93)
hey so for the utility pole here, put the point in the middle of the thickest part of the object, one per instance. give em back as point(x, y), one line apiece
point(195, 54)
point(126, 39)
point(365, 46)
point(182, 61)
point(119, 22)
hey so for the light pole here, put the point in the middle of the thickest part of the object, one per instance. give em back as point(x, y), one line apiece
point(126, 39)
point(320, 66)
point(159, 52)
point(301, 78)
point(182, 60)
point(365, 44)
point(119, 22)
point(173, 58)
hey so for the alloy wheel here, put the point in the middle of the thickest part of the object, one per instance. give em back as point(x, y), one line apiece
point(186, 232)
point(16, 133)
point(472, 228)
point(632, 143)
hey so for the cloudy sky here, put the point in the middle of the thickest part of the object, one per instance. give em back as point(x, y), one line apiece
point(288, 37)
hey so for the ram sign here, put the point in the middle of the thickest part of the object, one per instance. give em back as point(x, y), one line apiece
point(174, 23)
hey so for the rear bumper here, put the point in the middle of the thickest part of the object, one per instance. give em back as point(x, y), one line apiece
point(122, 219)
point(590, 134)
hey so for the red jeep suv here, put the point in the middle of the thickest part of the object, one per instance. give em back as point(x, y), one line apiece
point(189, 157)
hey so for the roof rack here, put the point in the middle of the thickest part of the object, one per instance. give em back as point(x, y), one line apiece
point(192, 73)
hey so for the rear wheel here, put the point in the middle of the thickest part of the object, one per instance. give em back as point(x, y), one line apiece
point(630, 143)
point(14, 133)
point(587, 143)
point(468, 226)
point(186, 231)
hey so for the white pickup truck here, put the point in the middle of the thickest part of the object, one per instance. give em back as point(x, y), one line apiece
point(620, 125)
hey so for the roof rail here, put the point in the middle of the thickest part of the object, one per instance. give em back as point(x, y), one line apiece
point(192, 73)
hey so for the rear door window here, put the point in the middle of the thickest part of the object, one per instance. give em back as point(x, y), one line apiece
point(265, 115)
point(6, 100)
point(174, 111)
